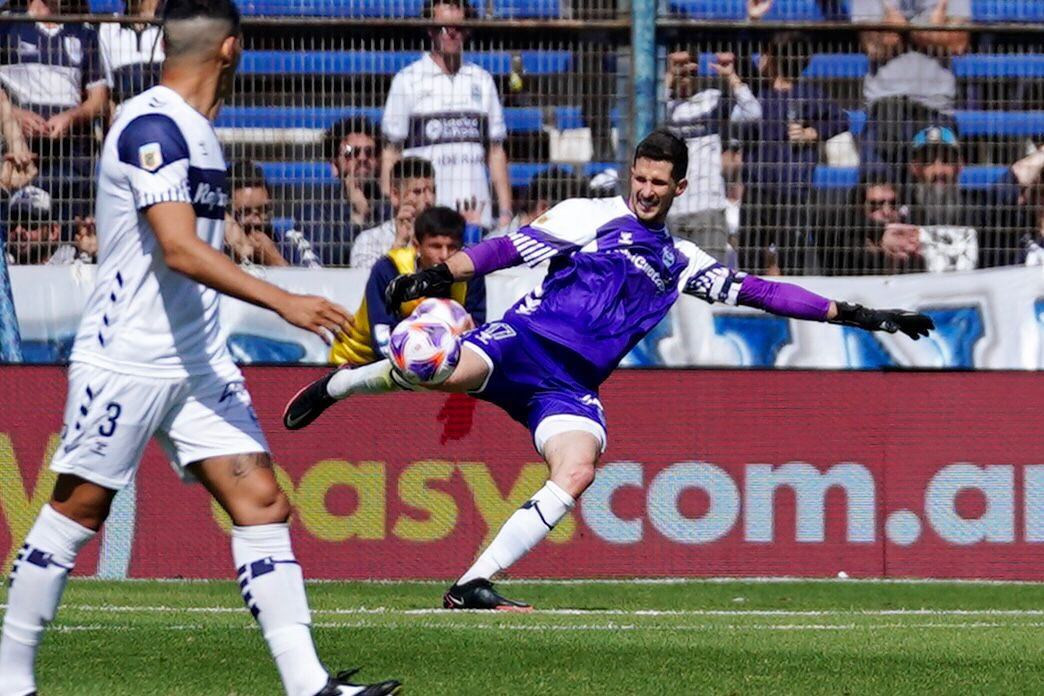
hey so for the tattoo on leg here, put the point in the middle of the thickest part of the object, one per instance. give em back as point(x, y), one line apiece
point(245, 463)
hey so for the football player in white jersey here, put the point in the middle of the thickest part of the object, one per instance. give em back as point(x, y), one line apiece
point(149, 360)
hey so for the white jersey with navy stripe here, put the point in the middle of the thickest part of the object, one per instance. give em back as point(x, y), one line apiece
point(143, 317)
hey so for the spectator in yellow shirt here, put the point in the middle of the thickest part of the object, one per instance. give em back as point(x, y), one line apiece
point(438, 234)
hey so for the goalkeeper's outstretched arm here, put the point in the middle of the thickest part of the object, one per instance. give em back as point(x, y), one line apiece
point(485, 257)
point(719, 284)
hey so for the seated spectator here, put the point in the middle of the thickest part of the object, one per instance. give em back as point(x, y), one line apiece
point(796, 118)
point(1029, 246)
point(544, 190)
point(439, 233)
point(53, 76)
point(34, 235)
point(698, 117)
point(947, 219)
point(131, 54)
point(249, 234)
point(876, 238)
point(412, 192)
point(350, 145)
point(911, 84)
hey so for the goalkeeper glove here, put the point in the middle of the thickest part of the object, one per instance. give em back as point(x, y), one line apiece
point(431, 282)
point(913, 324)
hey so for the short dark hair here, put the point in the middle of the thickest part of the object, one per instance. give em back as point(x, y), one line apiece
point(412, 168)
point(335, 134)
point(209, 9)
point(247, 174)
point(428, 11)
point(663, 146)
point(440, 221)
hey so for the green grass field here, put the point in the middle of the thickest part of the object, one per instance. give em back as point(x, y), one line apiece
point(844, 637)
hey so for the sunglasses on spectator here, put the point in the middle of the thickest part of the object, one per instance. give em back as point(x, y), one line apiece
point(259, 210)
point(28, 221)
point(350, 151)
point(881, 205)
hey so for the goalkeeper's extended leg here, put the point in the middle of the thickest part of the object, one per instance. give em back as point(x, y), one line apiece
point(376, 378)
point(571, 457)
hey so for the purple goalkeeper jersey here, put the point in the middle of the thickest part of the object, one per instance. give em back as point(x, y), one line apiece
point(611, 279)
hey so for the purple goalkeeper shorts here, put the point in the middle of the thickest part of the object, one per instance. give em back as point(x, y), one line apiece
point(540, 384)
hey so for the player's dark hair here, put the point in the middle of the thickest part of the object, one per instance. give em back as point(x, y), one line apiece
point(247, 174)
point(174, 10)
point(412, 168)
point(439, 221)
point(428, 11)
point(335, 134)
point(663, 146)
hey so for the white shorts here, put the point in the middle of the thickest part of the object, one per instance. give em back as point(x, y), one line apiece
point(110, 416)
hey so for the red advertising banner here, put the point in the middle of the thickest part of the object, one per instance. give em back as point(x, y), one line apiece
point(727, 473)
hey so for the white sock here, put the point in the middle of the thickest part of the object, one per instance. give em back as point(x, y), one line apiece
point(37, 579)
point(272, 585)
point(522, 531)
point(375, 378)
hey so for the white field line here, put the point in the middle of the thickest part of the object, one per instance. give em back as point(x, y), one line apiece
point(783, 579)
point(785, 628)
point(737, 613)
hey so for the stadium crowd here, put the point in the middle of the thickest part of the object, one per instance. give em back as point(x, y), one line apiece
point(787, 175)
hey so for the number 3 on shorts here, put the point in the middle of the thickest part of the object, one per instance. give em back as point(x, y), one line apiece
point(108, 426)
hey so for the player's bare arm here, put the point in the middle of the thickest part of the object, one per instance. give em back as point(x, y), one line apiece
point(175, 227)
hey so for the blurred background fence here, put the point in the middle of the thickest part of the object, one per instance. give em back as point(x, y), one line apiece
point(826, 137)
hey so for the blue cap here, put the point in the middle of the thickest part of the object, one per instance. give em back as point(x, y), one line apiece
point(936, 135)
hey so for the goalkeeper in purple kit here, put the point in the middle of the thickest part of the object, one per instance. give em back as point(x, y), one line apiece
point(615, 271)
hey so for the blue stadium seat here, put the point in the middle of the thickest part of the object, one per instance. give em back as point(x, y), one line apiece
point(572, 117)
point(333, 8)
point(389, 62)
point(997, 67)
point(106, 6)
point(1007, 11)
point(978, 124)
point(782, 10)
point(972, 178)
point(518, 9)
point(312, 174)
point(518, 119)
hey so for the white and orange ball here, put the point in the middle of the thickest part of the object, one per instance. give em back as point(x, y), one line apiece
point(445, 310)
point(424, 349)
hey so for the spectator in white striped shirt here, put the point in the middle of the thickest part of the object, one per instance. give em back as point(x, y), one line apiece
point(412, 192)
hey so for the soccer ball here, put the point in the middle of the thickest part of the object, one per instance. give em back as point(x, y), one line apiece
point(424, 349)
point(448, 311)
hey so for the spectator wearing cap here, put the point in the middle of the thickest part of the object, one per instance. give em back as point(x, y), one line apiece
point(797, 117)
point(911, 83)
point(446, 110)
point(412, 192)
point(53, 75)
point(544, 190)
point(33, 233)
point(943, 220)
point(351, 148)
point(699, 117)
point(131, 54)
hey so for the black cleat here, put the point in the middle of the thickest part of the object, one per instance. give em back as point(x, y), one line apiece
point(333, 686)
point(309, 403)
point(479, 594)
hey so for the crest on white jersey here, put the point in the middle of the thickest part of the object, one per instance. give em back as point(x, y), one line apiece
point(74, 48)
point(150, 157)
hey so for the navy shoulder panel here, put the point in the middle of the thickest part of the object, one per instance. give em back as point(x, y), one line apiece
point(151, 142)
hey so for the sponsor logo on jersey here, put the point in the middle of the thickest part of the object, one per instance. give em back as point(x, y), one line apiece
point(150, 156)
point(210, 196)
point(643, 265)
point(446, 127)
